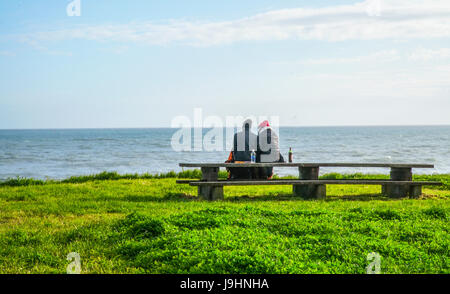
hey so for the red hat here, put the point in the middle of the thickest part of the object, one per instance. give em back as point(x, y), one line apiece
point(263, 124)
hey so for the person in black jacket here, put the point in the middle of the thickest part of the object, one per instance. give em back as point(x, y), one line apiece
point(244, 142)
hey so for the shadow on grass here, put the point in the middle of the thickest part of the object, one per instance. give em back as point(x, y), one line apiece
point(182, 197)
point(361, 197)
point(277, 197)
point(178, 197)
point(289, 197)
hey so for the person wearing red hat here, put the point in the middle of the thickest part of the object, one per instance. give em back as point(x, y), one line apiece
point(268, 149)
point(263, 124)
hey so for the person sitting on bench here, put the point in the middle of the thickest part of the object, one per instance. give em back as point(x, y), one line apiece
point(244, 142)
point(268, 149)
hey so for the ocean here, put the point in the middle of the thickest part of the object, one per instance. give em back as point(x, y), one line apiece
point(58, 154)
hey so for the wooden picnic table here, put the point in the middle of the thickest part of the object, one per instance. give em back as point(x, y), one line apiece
point(308, 185)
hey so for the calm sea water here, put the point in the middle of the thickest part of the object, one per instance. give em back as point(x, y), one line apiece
point(58, 154)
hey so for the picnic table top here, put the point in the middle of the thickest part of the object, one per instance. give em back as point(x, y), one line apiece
point(298, 164)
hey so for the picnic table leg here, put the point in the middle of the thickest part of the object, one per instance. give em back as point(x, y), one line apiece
point(210, 192)
point(415, 191)
point(210, 174)
point(399, 191)
point(311, 190)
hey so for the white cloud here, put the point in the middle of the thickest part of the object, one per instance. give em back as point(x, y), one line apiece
point(7, 53)
point(429, 54)
point(418, 83)
point(384, 56)
point(36, 45)
point(398, 19)
point(381, 56)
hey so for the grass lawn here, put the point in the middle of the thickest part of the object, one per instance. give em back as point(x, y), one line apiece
point(150, 225)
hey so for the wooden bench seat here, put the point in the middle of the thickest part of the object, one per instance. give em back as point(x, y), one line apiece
point(306, 182)
point(314, 188)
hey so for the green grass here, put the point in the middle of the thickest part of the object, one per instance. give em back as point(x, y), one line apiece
point(114, 176)
point(149, 224)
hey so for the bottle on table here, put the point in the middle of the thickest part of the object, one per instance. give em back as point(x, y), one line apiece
point(291, 155)
point(253, 156)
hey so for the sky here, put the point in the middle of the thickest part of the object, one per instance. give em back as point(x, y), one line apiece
point(143, 63)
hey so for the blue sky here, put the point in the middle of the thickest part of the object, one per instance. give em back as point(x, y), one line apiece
point(142, 63)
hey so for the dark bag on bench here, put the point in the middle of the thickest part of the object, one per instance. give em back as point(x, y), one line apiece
point(241, 173)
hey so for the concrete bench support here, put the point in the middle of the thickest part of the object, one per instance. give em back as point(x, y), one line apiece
point(310, 191)
point(210, 192)
point(400, 191)
point(210, 173)
point(415, 191)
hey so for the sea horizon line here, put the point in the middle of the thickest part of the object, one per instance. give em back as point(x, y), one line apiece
point(208, 127)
